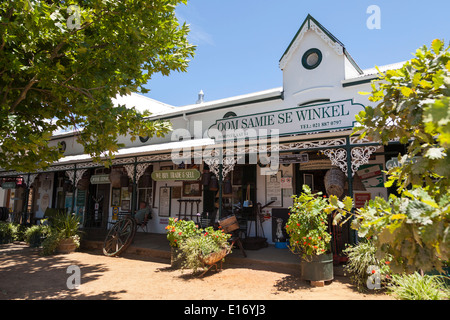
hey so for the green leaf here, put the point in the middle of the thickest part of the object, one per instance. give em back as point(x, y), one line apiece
point(425, 84)
point(406, 91)
point(437, 44)
point(348, 203)
point(386, 236)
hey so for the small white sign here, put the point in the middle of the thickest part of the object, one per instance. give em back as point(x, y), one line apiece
point(286, 183)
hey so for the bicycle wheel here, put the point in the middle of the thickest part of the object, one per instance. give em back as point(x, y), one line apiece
point(119, 237)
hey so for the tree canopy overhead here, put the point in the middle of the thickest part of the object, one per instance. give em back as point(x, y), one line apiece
point(61, 63)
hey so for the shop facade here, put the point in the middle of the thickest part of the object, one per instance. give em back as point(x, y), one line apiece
point(244, 155)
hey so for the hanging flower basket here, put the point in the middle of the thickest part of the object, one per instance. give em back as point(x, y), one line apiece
point(114, 177)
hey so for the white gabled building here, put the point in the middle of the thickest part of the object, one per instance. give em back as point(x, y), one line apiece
point(312, 114)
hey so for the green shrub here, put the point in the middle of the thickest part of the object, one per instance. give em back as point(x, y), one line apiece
point(8, 232)
point(35, 235)
point(50, 243)
point(417, 287)
point(362, 262)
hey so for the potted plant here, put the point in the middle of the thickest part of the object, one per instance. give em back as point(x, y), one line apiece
point(177, 231)
point(64, 235)
point(307, 229)
point(205, 249)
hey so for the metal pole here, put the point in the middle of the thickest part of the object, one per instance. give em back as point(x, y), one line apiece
point(220, 189)
point(74, 188)
point(25, 205)
point(348, 147)
point(134, 195)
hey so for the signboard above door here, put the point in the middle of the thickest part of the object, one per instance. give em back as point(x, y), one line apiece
point(171, 175)
point(293, 158)
point(100, 179)
point(336, 115)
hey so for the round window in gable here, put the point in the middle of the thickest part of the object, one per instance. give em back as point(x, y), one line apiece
point(144, 139)
point(311, 59)
point(229, 114)
point(62, 146)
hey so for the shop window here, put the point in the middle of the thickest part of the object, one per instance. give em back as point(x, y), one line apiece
point(145, 189)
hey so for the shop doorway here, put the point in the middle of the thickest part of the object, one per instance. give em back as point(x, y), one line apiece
point(315, 179)
point(312, 178)
point(98, 206)
point(238, 187)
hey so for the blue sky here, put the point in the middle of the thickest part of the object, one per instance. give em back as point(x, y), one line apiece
point(239, 42)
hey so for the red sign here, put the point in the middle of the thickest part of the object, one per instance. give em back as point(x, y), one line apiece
point(361, 198)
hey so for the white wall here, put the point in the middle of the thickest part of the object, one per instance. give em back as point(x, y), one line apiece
point(44, 194)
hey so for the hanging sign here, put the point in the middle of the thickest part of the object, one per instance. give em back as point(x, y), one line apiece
point(394, 163)
point(361, 198)
point(171, 175)
point(100, 179)
point(81, 198)
point(328, 116)
point(9, 185)
point(293, 158)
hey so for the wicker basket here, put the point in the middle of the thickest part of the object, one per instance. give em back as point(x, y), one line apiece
point(335, 182)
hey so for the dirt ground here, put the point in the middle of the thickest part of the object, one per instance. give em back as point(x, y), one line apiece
point(24, 274)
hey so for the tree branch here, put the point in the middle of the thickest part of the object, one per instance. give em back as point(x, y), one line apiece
point(23, 94)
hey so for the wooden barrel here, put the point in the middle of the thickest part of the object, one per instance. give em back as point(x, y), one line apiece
point(317, 268)
point(335, 182)
point(229, 224)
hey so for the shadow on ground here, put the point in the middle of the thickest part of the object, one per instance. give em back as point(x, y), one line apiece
point(46, 276)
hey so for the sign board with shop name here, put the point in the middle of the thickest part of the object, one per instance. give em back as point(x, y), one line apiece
point(171, 175)
point(337, 115)
point(100, 179)
point(9, 185)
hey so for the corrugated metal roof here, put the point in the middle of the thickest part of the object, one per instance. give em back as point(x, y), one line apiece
point(373, 71)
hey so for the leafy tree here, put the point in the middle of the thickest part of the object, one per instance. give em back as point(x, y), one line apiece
point(61, 62)
point(413, 229)
point(413, 107)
